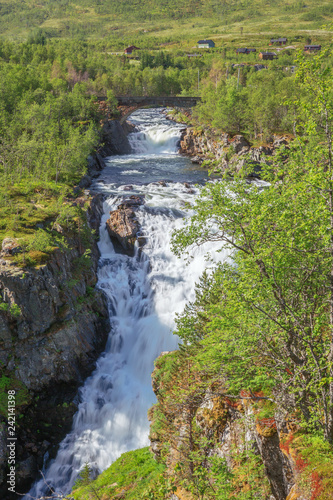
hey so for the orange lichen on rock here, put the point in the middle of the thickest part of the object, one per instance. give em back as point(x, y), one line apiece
point(293, 494)
point(317, 485)
point(214, 419)
point(266, 427)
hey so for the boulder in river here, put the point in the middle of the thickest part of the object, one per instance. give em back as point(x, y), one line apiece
point(197, 160)
point(123, 226)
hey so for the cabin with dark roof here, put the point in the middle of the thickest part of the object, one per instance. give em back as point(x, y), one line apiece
point(130, 49)
point(278, 41)
point(245, 51)
point(206, 44)
point(312, 48)
point(267, 56)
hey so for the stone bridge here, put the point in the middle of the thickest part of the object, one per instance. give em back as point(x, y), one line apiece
point(128, 104)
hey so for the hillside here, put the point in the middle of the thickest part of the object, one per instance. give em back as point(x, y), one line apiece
point(244, 407)
point(165, 21)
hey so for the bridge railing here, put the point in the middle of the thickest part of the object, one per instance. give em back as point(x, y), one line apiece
point(160, 100)
point(156, 100)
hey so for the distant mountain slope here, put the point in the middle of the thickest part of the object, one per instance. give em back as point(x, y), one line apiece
point(166, 18)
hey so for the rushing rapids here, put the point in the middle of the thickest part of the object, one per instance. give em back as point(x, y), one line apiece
point(144, 293)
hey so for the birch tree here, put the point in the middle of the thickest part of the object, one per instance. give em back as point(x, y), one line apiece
point(272, 327)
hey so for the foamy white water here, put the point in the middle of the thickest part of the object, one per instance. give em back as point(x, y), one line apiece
point(144, 293)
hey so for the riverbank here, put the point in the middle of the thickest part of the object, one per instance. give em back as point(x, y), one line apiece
point(223, 153)
point(54, 322)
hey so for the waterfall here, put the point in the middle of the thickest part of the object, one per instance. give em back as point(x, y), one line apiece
point(144, 293)
point(157, 136)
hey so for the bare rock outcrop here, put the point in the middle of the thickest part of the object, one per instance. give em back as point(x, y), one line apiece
point(114, 142)
point(239, 143)
point(10, 246)
point(232, 153)
point(115, 138)
point(123, 226)
point(231, 428)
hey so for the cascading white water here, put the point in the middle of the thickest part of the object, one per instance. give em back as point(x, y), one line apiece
point(155, 137)
point(144, 293)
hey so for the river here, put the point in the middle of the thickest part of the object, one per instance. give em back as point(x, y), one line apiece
point(144, 293)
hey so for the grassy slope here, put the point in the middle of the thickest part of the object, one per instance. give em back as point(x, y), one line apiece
point(131, 477)
point(163, 21)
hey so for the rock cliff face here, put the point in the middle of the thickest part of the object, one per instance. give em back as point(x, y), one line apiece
point(115, 138)
point(230, 153)
point(231, 429)
point(114, 142)
point(50, 346)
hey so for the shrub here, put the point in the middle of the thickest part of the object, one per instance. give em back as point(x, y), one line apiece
point(42, 241)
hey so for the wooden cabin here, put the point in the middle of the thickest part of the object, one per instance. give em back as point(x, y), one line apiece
point(312, 48)
point(206, 44)
point(267, 56)
point(130, 49)
point(245, 51)
point(278, 41)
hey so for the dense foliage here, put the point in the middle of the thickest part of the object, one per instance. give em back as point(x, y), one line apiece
point(256, 106)
point(271, 327)
point(46, 134)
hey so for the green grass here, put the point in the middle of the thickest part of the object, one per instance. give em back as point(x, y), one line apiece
point(29, 210)
point(132, 476)
point(152, 22)
point(26, 204)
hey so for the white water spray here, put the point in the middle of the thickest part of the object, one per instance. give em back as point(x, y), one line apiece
point(155, 137)
point(144, 292)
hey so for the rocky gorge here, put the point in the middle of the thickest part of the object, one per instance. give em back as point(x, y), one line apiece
point(53, 343)
point(53, 326)
point(50, 347)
